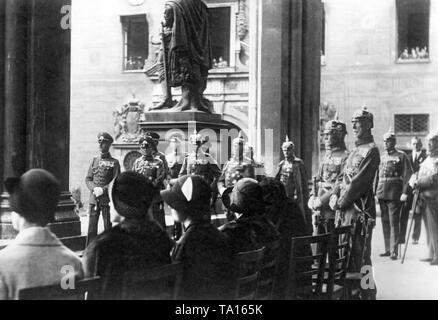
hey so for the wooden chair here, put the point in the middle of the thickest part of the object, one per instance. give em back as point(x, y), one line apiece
point(247, 268)
point(306, 282)
point(268, 272)
point(161, 283)
point(338, 257)
point(85, 289)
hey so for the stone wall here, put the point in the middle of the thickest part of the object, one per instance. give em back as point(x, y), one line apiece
point(361, 54)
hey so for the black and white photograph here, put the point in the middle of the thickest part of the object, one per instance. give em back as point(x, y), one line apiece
point(218, 154)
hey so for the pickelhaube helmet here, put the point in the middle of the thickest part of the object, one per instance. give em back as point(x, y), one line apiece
point(363, 115)
point(288, 144)
point(154, 136)
point(390, 135)
point(335, 125)
point(196, 138)
point(239, 140)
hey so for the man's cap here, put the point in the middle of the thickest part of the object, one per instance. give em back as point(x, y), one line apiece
point(38, 192)
point(287, 144)
point(188, 192)
point(390, 135)
point(155, 136)
point(146, 141)
point(335, 125)
point(132, 194)
point(104, 136)
point(363, 115)
point(247, 197)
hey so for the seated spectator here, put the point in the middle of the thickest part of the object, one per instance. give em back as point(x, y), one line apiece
point(251, 230)
point(287, 217)
point(36, 257)
point(137, 243)
point(204, 251)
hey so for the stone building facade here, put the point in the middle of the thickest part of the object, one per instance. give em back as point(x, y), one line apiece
point(364, 64)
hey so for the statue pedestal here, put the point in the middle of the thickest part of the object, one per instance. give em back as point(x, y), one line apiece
point(182, 124)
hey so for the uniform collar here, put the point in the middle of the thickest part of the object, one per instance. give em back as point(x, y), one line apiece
point(390, 152)
point(364, 140)
point(105, 155)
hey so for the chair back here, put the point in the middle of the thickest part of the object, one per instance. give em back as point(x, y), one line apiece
point(85, 289)
point(268, 272)
point(161, 283)
point(306, 269)
point(338, 257)
point(247, 268)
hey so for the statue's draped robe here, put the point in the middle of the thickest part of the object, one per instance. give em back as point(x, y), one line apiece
point(190, 44)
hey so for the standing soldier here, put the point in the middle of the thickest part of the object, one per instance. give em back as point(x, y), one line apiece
point(153, 169)
point(238, 167)
point(427, 184)
point(416, 158)
point(330, 175)
point(174, 161)
point(201, 164)
point(156, 140)
point(356, 200)
point(103, 170)
point(292, 174)
point(392, 182)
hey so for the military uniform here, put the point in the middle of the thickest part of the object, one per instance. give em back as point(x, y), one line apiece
point(427, 184)
point(201, 164)
point(294, 177)
point(356, 201)
point(153, 170)
point(234, 170)
point(329, 177)
point(103, 170)
point(416, 162)
point(391, 182)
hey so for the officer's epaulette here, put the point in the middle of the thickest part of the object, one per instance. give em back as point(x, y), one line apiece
point(299, 160)
point(281, 163)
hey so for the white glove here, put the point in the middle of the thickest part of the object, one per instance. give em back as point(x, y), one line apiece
point(310, 203)
point(98, 192)
point(333, 202)
point(404, 197)
point(413, 182)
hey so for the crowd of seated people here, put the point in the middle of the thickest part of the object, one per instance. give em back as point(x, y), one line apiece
point(138, 243)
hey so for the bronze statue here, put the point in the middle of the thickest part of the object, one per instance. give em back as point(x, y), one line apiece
point(185, 55)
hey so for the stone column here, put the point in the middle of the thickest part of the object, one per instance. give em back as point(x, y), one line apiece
point(15, 99)
point(285, 78)
point(38, 102)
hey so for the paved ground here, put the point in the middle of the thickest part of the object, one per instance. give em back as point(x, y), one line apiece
point(414, 280)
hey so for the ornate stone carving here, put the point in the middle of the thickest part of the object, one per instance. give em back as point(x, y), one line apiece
point(127, 118)
point(242, 21)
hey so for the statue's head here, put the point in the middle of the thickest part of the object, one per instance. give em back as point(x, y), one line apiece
point(363, 122)
point(334, 133)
